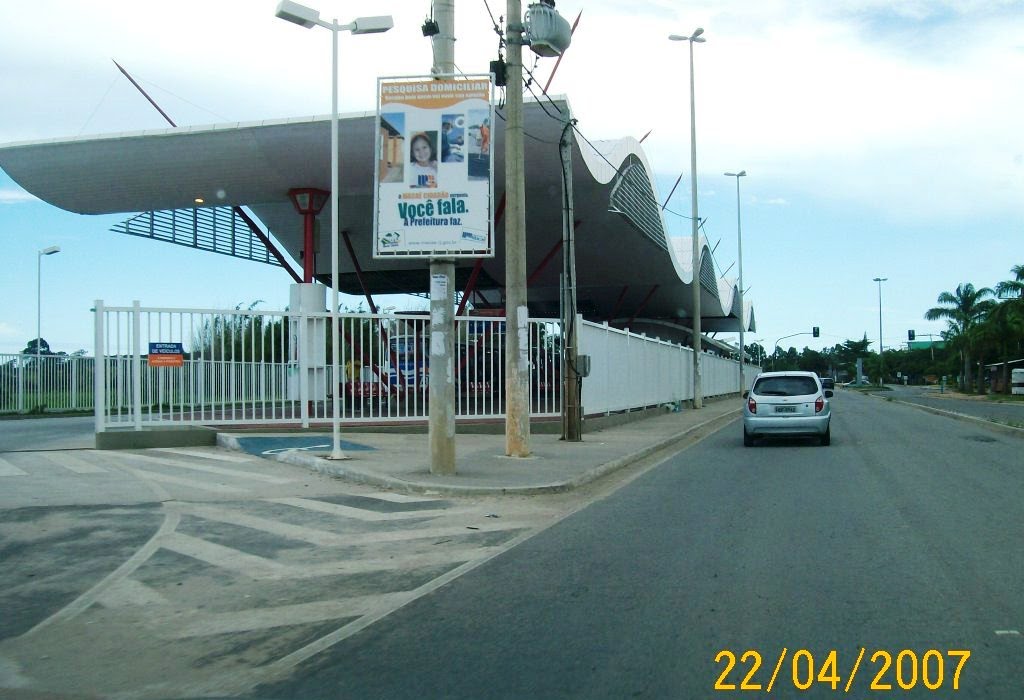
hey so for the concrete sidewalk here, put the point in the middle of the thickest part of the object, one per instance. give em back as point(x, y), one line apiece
point(401, 461)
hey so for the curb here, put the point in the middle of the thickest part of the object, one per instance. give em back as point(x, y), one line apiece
point(318, 463)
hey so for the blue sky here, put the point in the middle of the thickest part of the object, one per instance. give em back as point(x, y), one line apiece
point(881, 139)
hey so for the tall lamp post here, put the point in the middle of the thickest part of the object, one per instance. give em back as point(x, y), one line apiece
point(39, 313)
point(739, 254)
point(698, 393)
point(39, 294)
point(881, 357)
point(308, 18)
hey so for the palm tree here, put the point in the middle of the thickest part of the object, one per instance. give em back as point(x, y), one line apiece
point(1008, 319)
point(1012, 289)
point(962, 309)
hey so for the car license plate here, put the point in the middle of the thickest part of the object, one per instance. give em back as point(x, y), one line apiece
point(785, 409)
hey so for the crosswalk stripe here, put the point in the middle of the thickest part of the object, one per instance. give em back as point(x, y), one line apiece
point(224, 557)
point(128, 592)
point(205, 455)
point(191, 483)
point(348, 567)
point(401, 498)
point(294, 532)
point(222, 471)
point(258, 567)
point(360, 513)
point(282, 616)
point(333, 539)
point(8, 469)
point(72, 463)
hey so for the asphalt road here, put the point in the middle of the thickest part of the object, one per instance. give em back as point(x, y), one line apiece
point(905, 534)
point(51, 433)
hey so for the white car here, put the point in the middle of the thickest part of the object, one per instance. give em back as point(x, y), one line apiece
point(787, 404)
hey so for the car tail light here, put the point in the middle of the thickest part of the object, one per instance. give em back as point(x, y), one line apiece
point(752, 405)
point(819, 404)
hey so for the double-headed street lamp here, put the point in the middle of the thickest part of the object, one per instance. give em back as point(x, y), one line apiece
point(739, 254)
point(308, 18)
point(698, 397)
point(881, 357)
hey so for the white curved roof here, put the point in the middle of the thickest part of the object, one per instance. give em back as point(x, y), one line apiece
point(626, 265)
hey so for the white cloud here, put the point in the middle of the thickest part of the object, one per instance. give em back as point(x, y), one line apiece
point(16, 196)
point(771, 201)
point(863, 100)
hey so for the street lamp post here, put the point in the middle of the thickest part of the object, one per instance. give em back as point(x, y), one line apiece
point(308, 18)
point(39, 313)
point(739, 255)
point(881, 357)
point(698, 397)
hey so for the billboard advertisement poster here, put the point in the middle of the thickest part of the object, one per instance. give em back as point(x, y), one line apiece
point(433, 177)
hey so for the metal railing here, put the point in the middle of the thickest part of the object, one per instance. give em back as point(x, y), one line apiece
point(244, 366)
point(45, 383)
point(630, 371)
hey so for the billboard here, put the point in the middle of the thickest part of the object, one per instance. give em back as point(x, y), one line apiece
point(433, 178)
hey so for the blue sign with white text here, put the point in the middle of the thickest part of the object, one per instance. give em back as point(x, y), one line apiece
point(166, 349)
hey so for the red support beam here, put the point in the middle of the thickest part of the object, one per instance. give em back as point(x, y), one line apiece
point(667, 199)
point(236, 209)
point(308, 256)
point(267, 242)
point(544, 263)
point(559, 61)
point(470, 285)
point(359, 271)
point(642, 305)
point(618, 304)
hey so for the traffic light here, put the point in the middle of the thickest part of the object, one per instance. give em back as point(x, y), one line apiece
point(817, 333)
point(910, 335)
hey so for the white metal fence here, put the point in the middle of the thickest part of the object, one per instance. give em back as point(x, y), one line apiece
point(240, 366)
point(38, 383)
point(243, 367)
point(630, 371)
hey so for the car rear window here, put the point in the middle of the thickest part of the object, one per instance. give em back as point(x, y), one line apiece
point(786, 386)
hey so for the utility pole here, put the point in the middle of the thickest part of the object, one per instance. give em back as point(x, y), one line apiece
point(442, 292)
point(517, 317)
point(572, 427)
point(698, 389)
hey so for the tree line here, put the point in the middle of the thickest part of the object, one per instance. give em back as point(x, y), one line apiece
point(984, 328)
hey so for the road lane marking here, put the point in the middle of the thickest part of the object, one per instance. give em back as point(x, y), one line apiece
point(361, 513)
point(207, 455)
point(333, 539)
point(399, 497)
point(129, 592)
point(8, 469)
point(438, 557)
point(72, 463)
point(285, 664)
point(257, 567)
point(190, 483)
point(225, 557)
point(286, 615)
point(273, 527)
point(220, 471)
point(86, 600)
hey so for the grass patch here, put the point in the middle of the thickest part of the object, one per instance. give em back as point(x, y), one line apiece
point(49, 413)
point(1006, 398)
